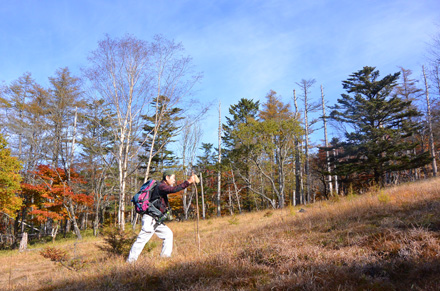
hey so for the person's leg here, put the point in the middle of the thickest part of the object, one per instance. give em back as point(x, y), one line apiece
point(165, 233)
point(144, 236)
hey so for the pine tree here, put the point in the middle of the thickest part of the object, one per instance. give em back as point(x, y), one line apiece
point(235, 153)
point(378, 123)
point(168, 128)
point(208, 157)
point(240, 113)
point(97, 162)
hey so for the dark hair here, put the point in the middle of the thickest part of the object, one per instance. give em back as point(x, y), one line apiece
point(167, 173)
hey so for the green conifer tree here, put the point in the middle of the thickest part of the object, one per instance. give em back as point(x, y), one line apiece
point(169, 127)
point(377, 124)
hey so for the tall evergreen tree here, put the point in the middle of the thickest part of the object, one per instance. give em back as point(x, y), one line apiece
point(98, 164)
point(234, 152)
point(378, 124)
point(240, 113)
point(208, 156)
point(168, 128)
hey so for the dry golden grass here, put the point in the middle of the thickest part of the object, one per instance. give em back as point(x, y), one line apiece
point(388, 240)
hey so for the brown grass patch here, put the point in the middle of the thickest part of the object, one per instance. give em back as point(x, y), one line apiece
point(378, 241)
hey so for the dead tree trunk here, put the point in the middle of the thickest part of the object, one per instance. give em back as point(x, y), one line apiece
point(324, 118)
point(298, 173)
point(431, 136)
point(23, 242)
point(219, 174)
point(305, 86)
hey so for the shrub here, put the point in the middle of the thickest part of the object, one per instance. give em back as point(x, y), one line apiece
point(60, 256)
point(118, 242)
point(54, 254)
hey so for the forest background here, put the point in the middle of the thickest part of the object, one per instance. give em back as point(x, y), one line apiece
point(86, 140)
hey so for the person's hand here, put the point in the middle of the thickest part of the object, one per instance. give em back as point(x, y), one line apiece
point(193, 179)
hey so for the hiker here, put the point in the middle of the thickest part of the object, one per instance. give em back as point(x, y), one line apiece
point(149, 223)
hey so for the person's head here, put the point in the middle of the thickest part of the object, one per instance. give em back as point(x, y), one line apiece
point(169, 177)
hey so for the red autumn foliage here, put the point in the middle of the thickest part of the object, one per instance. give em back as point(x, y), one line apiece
point(51, 198)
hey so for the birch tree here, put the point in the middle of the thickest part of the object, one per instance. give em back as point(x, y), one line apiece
point(324, 119)
point(173, 79)
point(129, 73)
point(119, 75)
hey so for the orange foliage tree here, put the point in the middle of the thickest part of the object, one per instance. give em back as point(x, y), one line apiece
point(56, 197)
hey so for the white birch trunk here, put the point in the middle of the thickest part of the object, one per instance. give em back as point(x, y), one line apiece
point(329, 177)
point(336, 177)
point(431, 136)
point(203, 196)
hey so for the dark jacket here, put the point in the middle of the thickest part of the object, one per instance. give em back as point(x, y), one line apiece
point(163, 189)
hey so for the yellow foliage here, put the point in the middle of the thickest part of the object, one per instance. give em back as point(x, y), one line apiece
point(9, 179)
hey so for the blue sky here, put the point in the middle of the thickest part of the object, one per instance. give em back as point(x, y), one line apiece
point(243, 48)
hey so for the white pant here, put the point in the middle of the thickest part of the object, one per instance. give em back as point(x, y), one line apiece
point(149, 227)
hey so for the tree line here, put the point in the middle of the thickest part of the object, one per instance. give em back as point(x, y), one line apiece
point(72, 154)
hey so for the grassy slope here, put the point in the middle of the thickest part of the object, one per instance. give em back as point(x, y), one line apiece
point(378, 241)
